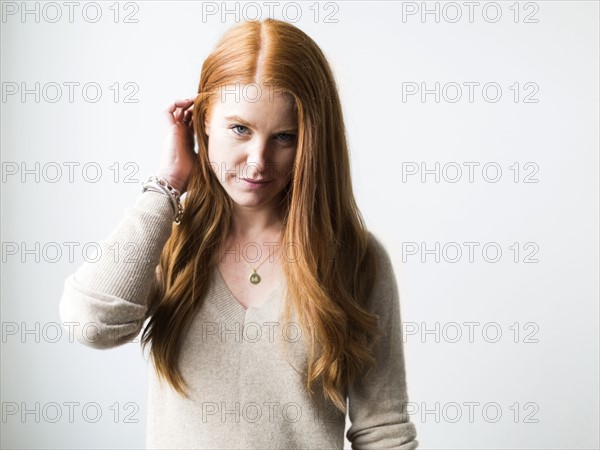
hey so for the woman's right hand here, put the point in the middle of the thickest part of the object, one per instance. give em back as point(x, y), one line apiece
point(178, 156)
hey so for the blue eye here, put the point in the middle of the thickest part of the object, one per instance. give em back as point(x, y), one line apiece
point(286, 137)
point(234, 127)
point(283, 138)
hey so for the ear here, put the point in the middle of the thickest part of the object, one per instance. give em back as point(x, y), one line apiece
point(206, 127)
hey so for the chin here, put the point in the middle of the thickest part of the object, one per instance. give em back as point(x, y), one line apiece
point(251, 199)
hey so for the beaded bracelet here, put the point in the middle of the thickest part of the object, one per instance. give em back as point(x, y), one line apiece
point(160, 184)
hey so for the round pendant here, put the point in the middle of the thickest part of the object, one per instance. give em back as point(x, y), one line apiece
point(254, 278)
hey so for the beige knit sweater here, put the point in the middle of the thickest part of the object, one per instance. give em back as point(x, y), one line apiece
point(245, 390)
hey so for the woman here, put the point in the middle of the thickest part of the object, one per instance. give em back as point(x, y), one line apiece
point(269, 305)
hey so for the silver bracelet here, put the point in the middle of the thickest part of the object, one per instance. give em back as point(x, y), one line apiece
point(160, 184)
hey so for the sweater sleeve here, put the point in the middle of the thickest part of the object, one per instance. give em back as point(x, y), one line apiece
point(104, 302)
point(378, 402)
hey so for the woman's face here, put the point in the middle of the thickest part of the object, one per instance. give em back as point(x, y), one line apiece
point(252, 135)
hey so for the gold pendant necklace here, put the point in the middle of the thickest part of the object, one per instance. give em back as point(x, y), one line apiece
point(254, 276)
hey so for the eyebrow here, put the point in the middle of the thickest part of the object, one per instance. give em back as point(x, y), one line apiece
point(241, 121)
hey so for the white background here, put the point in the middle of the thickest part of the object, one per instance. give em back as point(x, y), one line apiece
point(545, 385)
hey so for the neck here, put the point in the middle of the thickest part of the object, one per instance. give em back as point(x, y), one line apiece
point(249, 223)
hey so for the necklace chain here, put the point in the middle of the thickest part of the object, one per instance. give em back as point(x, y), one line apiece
point(254, 276)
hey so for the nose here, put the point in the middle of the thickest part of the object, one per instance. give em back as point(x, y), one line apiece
point(256, 158)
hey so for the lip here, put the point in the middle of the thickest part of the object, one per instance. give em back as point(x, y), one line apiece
point(249, 182)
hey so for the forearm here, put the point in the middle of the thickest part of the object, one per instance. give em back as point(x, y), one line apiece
point(111, 293)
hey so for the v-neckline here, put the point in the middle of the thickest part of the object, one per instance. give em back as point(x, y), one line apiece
point(270, 296)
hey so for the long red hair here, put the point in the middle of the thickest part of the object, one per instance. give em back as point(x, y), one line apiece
point(328, 285)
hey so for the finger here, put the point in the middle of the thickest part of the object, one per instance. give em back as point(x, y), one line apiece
point(169, 115)
point(178, 104)
point(188, 101)
point(190, 108)
point(179, 114)
point(169, 112)
point(184, 102)
point(172, 108)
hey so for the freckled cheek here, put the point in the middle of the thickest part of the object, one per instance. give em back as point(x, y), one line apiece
point(223, 150)
point(223, 161)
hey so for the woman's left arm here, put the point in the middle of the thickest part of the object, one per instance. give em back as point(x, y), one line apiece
point(378, 402)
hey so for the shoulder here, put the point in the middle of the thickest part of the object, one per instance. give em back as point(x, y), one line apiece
point(376, 242)
point(385, 287)
point(381, 255)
